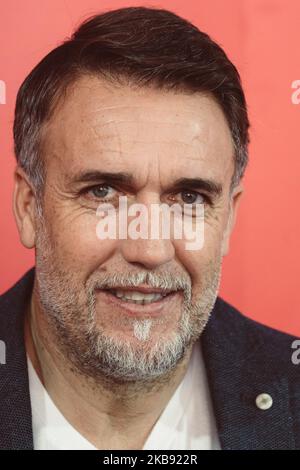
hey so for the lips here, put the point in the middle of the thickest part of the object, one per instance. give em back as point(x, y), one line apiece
point(134, 301)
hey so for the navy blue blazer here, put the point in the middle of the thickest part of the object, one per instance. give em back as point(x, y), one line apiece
point(242, 357)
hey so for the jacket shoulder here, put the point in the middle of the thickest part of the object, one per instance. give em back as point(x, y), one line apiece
point(246, 322)
point(251, 335)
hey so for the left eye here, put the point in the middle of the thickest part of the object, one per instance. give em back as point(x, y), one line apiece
point(190, 197)
point(101, 191)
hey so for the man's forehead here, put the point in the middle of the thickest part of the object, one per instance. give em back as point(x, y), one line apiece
point(137, 126)
point(97, 94)
point(92, 103)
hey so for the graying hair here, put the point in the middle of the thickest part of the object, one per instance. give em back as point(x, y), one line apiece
point(137, 46)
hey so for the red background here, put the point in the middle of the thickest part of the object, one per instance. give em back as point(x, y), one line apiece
point(261, 273)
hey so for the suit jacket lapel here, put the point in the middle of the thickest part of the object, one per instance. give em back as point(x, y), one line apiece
point(240, 366)
point(16, 421)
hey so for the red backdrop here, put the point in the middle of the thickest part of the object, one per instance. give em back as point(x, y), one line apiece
point(261, 273)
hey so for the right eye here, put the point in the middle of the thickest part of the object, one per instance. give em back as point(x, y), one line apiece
point(100, 192)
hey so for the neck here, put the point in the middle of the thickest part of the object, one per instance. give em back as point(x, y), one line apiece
point(109, 415)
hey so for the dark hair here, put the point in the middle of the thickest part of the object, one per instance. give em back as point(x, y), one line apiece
point(136, 46)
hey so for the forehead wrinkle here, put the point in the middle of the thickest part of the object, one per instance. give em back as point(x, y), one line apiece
point(192, 127)
point(153, 106)
point(133, 135)
point(149, 121)
point(101, 153)
point(135, 141)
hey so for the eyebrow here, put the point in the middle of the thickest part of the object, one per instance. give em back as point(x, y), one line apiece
point(94, 176)
point(212, 187)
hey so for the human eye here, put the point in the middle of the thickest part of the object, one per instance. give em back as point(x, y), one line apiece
point(192, 198)
point(100, 192)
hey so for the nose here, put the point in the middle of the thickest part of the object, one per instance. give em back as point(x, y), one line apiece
point(148, 253)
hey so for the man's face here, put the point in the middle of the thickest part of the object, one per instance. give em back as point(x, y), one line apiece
point(155, 138)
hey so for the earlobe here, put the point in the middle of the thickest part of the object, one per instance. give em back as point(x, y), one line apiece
point(24, 208)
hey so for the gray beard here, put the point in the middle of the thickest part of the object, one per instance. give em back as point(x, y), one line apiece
point(70, 314)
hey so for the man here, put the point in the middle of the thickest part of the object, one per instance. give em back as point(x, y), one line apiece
point(123, 342)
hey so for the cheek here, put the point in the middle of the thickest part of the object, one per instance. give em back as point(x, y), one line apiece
point(77, 246)
point(197, 262)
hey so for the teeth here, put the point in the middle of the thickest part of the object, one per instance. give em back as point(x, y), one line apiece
point(138, 297)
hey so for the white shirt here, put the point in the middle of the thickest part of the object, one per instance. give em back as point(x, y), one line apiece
point(187, 422)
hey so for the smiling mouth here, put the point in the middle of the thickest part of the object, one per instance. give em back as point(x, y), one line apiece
point(139, 296)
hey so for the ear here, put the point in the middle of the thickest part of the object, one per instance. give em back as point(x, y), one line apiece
point(24, 208)
point(234, 204)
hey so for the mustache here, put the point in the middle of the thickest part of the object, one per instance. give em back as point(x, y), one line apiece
point(167, 281)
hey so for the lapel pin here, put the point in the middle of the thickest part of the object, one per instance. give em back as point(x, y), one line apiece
point(264, 401)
